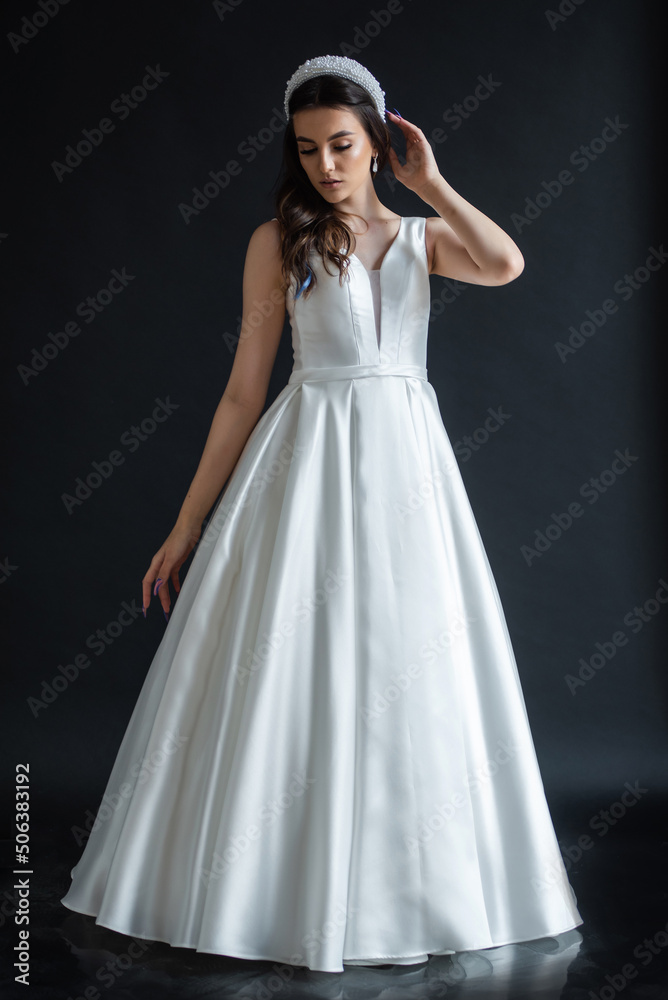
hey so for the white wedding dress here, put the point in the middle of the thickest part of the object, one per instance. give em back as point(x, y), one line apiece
point(330, 759)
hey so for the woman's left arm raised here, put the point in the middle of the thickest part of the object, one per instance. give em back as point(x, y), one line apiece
point(462, 242)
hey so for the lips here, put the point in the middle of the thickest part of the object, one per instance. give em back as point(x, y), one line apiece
point(330, 183)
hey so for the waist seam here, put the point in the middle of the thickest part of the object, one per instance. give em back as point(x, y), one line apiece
point(357, 371)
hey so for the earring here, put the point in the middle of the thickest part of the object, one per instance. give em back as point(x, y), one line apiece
point(375, 164)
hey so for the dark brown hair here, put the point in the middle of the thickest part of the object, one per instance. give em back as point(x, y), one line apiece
point(307, 221)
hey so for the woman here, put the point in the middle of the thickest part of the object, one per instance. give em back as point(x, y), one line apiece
point(330, 760)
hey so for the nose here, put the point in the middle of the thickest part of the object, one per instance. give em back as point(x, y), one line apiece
point(326, 162)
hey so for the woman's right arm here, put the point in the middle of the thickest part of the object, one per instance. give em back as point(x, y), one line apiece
point(238, 411)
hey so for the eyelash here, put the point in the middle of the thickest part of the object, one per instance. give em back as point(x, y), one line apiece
point(305, 152)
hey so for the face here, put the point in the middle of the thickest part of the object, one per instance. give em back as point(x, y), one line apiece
point(332, 143)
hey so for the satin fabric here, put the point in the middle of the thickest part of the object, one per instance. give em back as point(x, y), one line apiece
point(330, 760)
point(374, 278)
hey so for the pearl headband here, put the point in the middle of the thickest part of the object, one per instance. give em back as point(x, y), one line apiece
point(342, 66)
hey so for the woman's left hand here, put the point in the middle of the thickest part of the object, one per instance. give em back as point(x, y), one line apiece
point(420, 168)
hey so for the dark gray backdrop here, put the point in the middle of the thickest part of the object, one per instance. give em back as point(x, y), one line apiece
point(164, 338)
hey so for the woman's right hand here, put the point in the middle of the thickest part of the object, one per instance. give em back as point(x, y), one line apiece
point(166, 564)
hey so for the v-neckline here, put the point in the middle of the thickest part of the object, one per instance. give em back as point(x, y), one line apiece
point(381, 282)
point(385, 255)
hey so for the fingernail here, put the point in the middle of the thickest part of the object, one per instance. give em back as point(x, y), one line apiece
point(397, 113)
point(157, 584)
point(165, 614)
point(143, 607)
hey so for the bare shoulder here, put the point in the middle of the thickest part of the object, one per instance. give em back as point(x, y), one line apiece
point(266, 238)
point(262, 320)
point(263, 256)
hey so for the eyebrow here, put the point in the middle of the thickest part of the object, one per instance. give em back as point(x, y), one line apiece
point(337, 135)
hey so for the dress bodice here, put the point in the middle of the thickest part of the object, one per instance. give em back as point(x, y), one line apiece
point(374, 278)
point(335, 325)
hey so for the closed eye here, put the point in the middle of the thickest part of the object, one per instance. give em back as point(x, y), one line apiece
point(305, 152)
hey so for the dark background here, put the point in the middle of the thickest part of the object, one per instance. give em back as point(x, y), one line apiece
point(163, 337)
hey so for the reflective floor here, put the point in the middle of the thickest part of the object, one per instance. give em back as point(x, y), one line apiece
point(620, 950)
